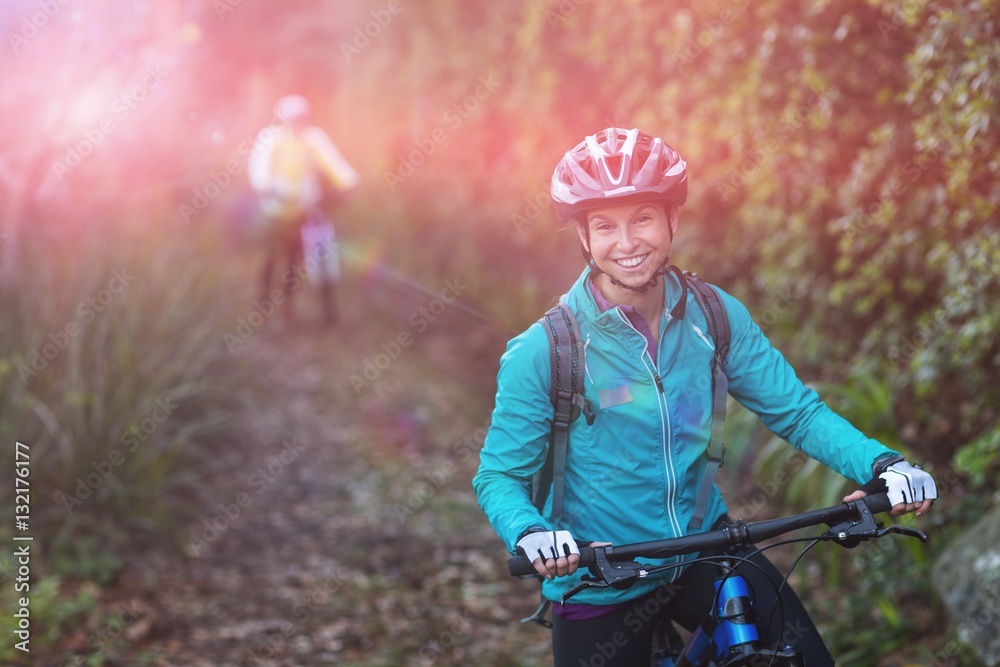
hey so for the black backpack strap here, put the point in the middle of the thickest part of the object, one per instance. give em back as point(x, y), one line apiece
point(567, 358)
point(718, 324)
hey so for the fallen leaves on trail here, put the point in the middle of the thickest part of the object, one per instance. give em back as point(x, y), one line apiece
point(367, 549)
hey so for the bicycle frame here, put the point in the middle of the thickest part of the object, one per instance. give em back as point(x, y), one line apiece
point(734, 639)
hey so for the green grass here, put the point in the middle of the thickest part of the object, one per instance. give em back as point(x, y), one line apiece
point(111, 373)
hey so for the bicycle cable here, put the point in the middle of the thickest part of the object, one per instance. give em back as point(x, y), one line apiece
point(779, 606)
point(813, 541)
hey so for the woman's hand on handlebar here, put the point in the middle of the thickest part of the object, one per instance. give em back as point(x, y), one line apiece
point(554, 552)
point(897, 509)
point(910, 488)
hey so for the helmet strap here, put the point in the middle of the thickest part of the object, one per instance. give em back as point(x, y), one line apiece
point(677, 312)
point(653, 282)
point(662, 271)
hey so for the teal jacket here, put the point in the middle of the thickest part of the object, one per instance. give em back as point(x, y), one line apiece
point(633, 475)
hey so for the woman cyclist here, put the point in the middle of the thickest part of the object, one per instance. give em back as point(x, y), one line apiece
point(633, 474)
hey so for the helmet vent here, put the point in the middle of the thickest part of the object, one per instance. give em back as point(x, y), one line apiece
point(617, 164)
point(614, 164)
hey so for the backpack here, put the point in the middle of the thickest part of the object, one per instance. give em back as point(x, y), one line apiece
point(567, 359)
point(291, 158)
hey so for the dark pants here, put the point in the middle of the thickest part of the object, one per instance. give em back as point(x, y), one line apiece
point(623, 638)
point(286, 243)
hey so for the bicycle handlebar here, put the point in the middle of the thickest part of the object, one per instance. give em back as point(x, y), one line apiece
point(739, 534)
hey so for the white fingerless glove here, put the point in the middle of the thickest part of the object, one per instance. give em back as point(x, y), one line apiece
point(548, 544)
point(908, 483)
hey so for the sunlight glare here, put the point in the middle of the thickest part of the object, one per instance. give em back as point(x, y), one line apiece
point(88, 107)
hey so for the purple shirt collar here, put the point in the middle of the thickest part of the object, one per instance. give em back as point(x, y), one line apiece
point(637, 320)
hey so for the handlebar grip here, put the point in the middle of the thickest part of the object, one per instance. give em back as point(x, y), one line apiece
point(878, 503)
point(520, 566)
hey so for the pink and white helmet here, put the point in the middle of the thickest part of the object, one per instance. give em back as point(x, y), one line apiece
point(615, 166)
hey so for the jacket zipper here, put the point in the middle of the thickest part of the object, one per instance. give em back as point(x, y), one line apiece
point(668, 463)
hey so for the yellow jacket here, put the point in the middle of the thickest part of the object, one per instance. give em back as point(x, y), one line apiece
point(289, 165)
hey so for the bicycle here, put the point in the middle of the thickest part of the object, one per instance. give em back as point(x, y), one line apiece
point(310, 246)
point(730, 634)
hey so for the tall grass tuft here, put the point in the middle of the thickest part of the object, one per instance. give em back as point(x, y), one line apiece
point(111, 371)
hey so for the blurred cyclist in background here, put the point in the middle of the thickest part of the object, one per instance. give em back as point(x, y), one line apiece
point(295, 169)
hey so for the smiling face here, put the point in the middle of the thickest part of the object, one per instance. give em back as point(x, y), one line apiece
point(629, 242)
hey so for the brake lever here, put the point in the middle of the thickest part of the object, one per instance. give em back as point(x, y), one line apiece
point(606, 574)
point(584, 584)
point(850, 533)
point(905, 531)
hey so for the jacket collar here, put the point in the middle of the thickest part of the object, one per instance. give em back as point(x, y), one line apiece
point(581, 300)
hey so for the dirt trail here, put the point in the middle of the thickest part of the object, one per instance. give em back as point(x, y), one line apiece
point(357, 540)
